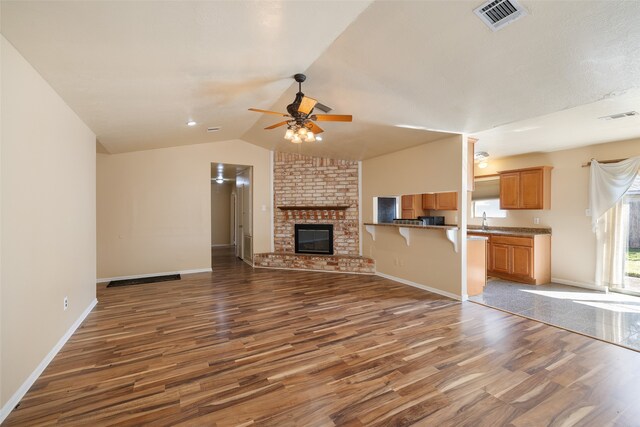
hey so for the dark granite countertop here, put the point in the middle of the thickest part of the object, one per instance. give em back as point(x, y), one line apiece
point(509, 231)
point(438, 227)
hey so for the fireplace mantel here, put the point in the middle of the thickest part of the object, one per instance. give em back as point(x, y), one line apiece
point(314, 208)
point(313, 213)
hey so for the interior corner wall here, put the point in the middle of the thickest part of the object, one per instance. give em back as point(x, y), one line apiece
point(47, 223)
point(429, 260)
point(154, 206)
point(573, 244)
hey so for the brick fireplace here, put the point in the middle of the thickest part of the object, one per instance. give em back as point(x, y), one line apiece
point(318, 191)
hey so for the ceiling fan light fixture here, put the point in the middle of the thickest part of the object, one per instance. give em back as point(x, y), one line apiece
point(310, 137)
point(296, 139)
point(288, 134)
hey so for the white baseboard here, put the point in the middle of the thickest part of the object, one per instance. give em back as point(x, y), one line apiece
point(423, 287)
point(19, 394)
point(584, 285)
point(140, 276)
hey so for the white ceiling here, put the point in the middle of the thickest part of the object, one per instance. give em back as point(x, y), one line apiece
point(136, 71)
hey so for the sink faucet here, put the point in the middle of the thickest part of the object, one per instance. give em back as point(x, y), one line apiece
point(484, 220)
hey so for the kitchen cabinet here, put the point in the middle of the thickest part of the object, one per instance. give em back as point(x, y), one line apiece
point(429, 201)
point(440, 201)
point(476, 264)
point(410, 206)
point(526, 188)
point(520, 259)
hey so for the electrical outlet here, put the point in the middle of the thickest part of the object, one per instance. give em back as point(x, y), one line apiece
point(66, 303)
point(536, 220)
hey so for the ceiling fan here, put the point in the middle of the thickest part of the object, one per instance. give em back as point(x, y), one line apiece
point(300, 121)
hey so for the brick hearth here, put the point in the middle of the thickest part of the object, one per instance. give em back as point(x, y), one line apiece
point(338, 263)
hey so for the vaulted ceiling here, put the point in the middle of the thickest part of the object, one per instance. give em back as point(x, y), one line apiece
point(135, 72)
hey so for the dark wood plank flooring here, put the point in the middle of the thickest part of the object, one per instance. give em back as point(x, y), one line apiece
point(286, 348)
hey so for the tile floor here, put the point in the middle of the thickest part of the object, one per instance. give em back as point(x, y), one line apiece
point(610, 317)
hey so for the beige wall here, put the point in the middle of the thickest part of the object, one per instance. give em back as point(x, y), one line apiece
point(154, 209)
point(573, 245)
point(220, 213)
point(430, 259)
point(48, 219)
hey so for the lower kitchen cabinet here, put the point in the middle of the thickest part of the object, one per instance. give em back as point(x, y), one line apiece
point(520, 259)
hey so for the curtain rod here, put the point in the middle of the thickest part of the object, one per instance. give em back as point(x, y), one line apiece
point(585, 165)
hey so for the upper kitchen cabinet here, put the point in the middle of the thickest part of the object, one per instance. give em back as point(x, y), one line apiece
point(440, 201)
point(528, 188)
point(410, 206)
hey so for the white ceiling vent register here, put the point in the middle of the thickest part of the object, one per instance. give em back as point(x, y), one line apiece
point(619, 115)
point(499, 13)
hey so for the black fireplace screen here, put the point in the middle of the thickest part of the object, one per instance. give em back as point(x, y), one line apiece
point(314, 239)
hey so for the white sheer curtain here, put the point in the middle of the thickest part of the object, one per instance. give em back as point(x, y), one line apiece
point(612, 237)
point(608, 184)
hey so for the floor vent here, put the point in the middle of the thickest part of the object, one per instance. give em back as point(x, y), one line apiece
point(499, 13)
point(143, 280)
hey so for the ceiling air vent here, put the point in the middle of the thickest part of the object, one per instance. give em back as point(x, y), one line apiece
point(213, 129)
point(620, 115)
point(498, 13)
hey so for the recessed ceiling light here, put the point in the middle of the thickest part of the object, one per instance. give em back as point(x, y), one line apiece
point(318, 138)
point(191, 123)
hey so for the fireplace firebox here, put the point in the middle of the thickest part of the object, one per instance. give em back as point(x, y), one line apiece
point(314, 239)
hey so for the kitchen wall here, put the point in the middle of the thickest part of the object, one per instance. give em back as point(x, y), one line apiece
point(154, 207)
point(221, 213)
point(573, 244)
point(430, 260)
point(47, 226)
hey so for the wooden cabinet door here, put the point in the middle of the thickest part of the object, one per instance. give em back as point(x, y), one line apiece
point(447, 201)
point(407, 202)
point(500, 258)
point(408, 214)
point(509, 190)
point(531, 189)
point(522, 261)
point(428, 201)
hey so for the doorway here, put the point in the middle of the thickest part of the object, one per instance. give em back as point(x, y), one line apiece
point(231, 208)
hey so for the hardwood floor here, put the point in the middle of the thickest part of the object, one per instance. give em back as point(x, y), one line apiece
point(265, 347)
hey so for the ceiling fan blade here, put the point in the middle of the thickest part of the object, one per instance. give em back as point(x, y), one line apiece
point(315, 128)
point(332, 117)
point(257, 110)
point(277, 125)
point(307, 104)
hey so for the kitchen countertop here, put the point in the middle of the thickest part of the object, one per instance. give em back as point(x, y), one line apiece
point(510, 231)
point(437, 227)
point(477, 237)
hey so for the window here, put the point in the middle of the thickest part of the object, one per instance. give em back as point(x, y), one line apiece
point(386, 209)
point(490, 206)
